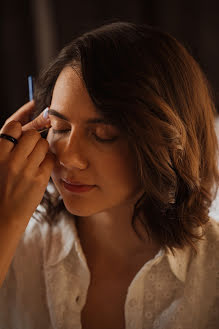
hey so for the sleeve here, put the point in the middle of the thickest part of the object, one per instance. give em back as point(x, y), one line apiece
point(213, 319)
point(23, 302)
point(7, 299)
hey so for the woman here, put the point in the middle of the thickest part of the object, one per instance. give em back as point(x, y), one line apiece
point(132, 120)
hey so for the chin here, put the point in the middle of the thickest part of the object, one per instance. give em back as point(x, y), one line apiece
point(77, 212)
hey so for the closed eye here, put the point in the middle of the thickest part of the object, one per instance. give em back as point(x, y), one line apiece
point(101, 140)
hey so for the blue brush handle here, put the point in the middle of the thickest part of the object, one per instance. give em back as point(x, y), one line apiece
point(30, 87)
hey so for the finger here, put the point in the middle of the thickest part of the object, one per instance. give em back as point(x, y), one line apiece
point(38, 123)
point(37, 155)
point(13, 129)
point(23, 115)
point(24, 148)
point(48, 165)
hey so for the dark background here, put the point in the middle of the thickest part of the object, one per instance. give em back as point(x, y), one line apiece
point(32, 32)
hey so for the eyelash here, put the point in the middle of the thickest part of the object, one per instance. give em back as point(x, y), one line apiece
point(55, 131)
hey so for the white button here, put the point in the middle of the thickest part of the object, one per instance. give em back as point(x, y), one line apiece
point(132, 302)
point(148, 315)
point(156, 322)
point(151, 276)
point(149, 296)
point(131, 324)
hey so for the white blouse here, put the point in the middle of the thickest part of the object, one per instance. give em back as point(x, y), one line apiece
point(48, 279)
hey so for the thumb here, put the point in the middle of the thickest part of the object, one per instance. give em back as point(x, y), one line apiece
point(39, 122)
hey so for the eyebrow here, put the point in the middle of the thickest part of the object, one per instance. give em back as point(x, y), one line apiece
point(94, 120)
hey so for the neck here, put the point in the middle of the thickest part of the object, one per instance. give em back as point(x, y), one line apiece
point(114, 241)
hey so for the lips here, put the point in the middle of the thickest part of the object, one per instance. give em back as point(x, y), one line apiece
point(77, 188)
point(74, 183)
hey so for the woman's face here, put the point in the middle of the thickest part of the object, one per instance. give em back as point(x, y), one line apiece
point(110, 166)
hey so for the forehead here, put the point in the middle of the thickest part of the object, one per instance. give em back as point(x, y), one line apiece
point(70, 83)
point(71, 101)
point(70, 94)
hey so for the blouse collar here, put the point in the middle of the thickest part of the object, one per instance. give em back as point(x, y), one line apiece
point(62, 237)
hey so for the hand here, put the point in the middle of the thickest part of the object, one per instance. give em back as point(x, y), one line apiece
point(25, 168)
point(23, 115)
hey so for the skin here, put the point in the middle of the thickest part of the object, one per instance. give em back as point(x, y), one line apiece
point(104, 213)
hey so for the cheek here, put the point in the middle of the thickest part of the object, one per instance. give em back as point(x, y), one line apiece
point(118, 169)
point(112, 166)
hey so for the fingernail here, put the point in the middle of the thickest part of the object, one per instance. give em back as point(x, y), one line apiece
point(45, 113)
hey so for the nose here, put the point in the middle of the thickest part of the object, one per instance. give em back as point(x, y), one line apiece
point(71, 153)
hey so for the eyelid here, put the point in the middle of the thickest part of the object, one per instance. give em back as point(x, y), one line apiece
point(101, 127)
point(59, 129)
point(101, 140)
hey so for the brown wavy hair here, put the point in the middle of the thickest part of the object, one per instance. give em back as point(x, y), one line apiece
point(153, 89)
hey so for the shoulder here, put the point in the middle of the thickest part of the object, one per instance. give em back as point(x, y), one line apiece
point(208, 246)
point(23, 289)
point(45, 240)
point(41, 244)
point(212, 226)
point(28, 257)
point(211, 234)
point(205, 268)
point(206, 262)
